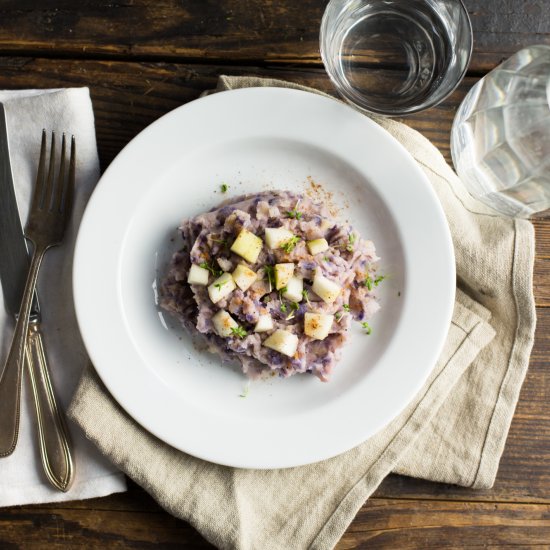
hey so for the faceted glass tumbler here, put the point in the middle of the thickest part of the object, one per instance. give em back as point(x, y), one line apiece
point(500, 141)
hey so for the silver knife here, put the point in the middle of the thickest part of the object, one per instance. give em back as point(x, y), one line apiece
point(54, 443)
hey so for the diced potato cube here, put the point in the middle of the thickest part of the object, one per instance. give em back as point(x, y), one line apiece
point(198, 275)
point(318, 325)
point(282, 341)
point(294, 289)
point(221, 288)
point(225, 264)
point(264, 324)
point(326, 289)
point(283, 273)
point(244, 277)
point(317, 246)
point(247, 245)
point(224, 323)
point(275, 237)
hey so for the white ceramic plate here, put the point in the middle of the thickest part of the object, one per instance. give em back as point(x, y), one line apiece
point(257, 139)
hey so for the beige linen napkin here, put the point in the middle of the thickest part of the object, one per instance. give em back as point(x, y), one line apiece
point(22, 480)
point(454, 430)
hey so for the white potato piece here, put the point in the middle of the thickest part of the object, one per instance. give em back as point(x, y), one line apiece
point(294, 289)
point(224, 323)
point(317, 246)
point(264, 324)
point(244, 277)
point(221, 288)
point(198, 275)
point(326, 289)
point(282, 341)
point(283, 274)
point(318, 325)
point(275, 237)
point(247, 245)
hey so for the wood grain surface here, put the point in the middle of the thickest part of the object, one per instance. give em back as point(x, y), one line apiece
point(143, 58)
point(282, 32)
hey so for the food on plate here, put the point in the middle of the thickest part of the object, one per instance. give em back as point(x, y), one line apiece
point(274, 282)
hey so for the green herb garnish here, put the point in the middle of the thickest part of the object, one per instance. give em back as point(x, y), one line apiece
point(290, 245)
point(305, 294)
point(270, 273)
point(294, 214)
point(379, 279)
point(367, 327)
point(326, 258)
point(212, 269)
point(246, 390)
point(338, 316)
point(283, 307)
point(219, 285)
point(239, 331)
point(351, 238)
point(221, 241)
point(368, 282)
point(346, 307)
point(294, 306)
point(224, 187)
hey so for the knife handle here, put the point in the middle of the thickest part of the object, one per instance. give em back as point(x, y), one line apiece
point(54, 443)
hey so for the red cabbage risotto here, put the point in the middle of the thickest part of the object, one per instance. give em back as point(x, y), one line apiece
point(272, 281)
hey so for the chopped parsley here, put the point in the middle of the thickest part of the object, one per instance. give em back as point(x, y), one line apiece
point(270, 273)
point(367, 327)
point(239, 331)
point(351, 238)
point(212, 269)
point(290, 245)
point(338, 316)
point(294, 306)
point(346, 307)
point(284, 307)
point(326, 258)
point(368, 282)
point(224, 187)
point(305, 294)
point(219, 285)
point(294, 214)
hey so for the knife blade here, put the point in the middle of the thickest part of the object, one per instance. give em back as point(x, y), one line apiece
point(53, 438)
point(13, 245)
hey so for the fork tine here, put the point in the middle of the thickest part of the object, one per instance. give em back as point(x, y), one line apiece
point(69, 192)
point(60, 186)
point(38, 196)
point(51, 171)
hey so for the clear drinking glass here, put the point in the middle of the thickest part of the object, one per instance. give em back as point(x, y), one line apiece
point(500, 140)
point(395, 57)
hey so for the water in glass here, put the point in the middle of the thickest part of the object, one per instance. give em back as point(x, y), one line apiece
point(501, 135)
point(395, 56)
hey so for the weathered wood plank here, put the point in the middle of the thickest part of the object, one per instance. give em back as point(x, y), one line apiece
point(382, 523)
point(429, 524)
point(94, 529)
point(256, 31)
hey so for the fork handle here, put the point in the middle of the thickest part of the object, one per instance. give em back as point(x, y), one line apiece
point(53, 437)
point(10, 380)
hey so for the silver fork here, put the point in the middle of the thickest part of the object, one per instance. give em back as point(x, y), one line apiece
point(50, 209)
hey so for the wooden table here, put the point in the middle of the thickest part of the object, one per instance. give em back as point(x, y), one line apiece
point(143, 58)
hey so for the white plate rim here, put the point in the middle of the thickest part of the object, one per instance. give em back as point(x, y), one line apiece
point(131, 399)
